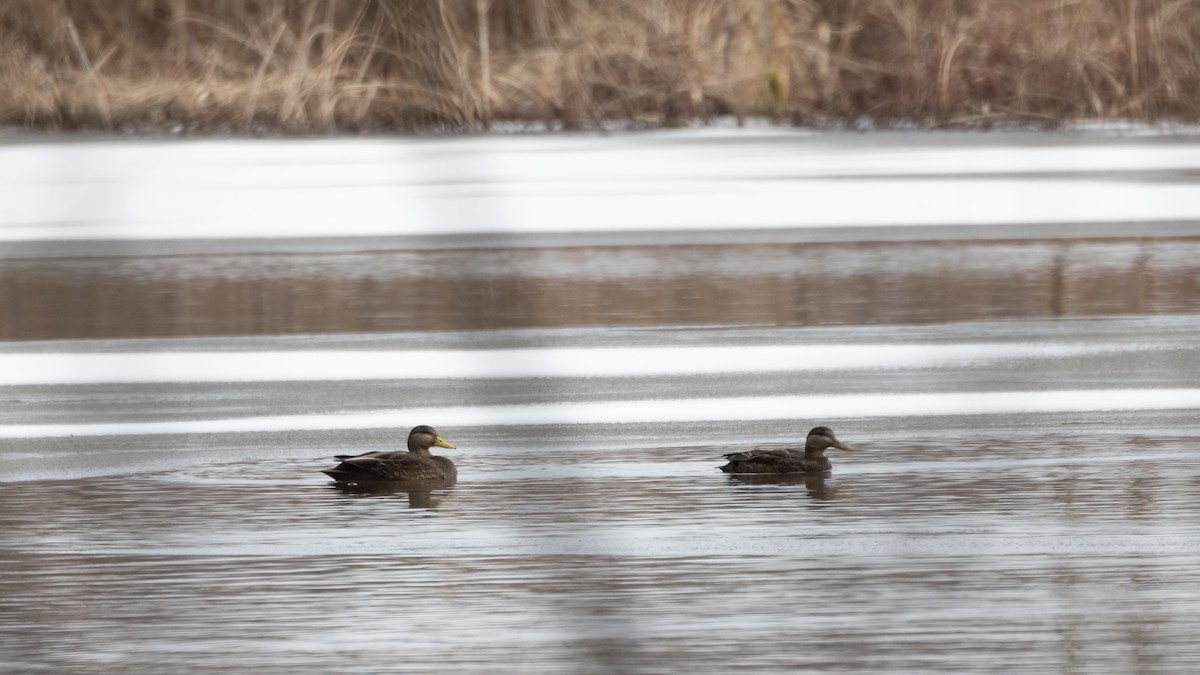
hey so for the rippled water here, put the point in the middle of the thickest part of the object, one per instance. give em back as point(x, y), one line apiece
point(934, 551)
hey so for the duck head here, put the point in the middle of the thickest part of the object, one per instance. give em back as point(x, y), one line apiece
point(821, 438)
point(422, 438)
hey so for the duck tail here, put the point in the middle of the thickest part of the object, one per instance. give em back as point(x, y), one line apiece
point(344, 471)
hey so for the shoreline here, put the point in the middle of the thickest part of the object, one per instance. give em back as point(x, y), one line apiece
point(12, 135)
point(373, 66)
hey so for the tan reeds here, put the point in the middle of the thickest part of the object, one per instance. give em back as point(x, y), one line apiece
point(333, 65)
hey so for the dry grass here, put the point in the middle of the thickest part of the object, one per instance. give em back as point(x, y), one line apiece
point(351, 65)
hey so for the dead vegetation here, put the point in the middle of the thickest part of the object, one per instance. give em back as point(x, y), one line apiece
point(375, 65)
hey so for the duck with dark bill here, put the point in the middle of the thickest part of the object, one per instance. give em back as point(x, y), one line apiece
point(810, 460)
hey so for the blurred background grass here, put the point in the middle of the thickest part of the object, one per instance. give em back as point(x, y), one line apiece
point(375, 65)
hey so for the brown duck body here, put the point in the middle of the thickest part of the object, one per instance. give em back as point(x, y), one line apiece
point(400, 465)
point(781, 460)
point(811, 459)
point(416, 465)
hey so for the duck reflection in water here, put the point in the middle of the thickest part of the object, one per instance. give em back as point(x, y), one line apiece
point(814, 483)
point(776, 461)
point(419, 496)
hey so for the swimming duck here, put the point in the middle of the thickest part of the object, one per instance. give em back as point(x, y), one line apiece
point(788, 460)
point(414, 465)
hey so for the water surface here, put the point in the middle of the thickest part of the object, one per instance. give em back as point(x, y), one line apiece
point(1023, 396)
point(1057, 540)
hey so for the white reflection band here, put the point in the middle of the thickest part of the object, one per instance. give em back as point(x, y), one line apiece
point(852, 406)
point(317, 366)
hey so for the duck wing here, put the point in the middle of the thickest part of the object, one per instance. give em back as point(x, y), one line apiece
point(767, 460)
point(765, 454)
point(373, 453)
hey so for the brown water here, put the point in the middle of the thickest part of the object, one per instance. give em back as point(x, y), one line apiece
point(799, 284)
